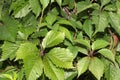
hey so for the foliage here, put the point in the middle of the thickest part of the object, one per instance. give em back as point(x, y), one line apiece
point(59, 39)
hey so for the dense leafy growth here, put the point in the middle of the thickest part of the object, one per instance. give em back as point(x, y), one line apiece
point(59, 39)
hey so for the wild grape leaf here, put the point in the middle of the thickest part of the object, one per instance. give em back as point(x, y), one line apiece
point(96, 67)
point(98, 44)
point(53, 38)
point(51, 71)
point(82, 65)
point(35, 6)
point(61, 57)
point(8, 29)
point(33, 67)
point(9, 49)
point(108, 54)
point(26, 49)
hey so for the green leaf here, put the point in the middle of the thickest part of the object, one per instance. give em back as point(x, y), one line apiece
point(44, 3)
point(102, 22)
point(70, 75)
point(53, 38)
point(33, 67)
point(87, 27)
point(51, 71)
point(96, 67)
point(9, 50)
point(23, 11)
point(81, 6)
point(82, 65)
point(104, 2)
point(25, 50)
point(98, 44)
point(67, 33)
point(35, 6)
point(108, 54)
point(115, 21)
point(61, 57)
point(59, 2)
point(83, 42)
point(50, 19)
point(9, 28)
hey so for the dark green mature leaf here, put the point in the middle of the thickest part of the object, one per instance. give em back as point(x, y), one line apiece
point(53, 38)
point(108, 54)
point(61, 57)
point(25, 50)
point(87, 27)
point(115, 21)
point(44, 3)
point(8, 29)
point(82, 65)
point(9, 50)
point(33, 67)
point(51, 71)
point(98, 44)
point(35, 6)
point(96, 67)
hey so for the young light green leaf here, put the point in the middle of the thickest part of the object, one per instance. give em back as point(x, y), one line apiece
point(51, 71)
point(8, 76)
point(35, 6)
point(96, 67)
point(33, 67)
point(108, 54)
point(87, 27)
point(104, 2)
point(82, 65)
point(59, 2)
point(53, 38)
point(23, 11)
point(9, 50)
point(44, 3)
point(83, 42)
point(25, 50)
point(67, 32)
point(70, 75)
point(115, 21)
point(61, 57)
point(98, 44)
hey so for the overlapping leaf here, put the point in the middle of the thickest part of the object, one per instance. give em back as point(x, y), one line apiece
point(53, 38)
point(96, 67)
point(33, 67)
point(9, 50)
point(51, 71)
point(61, 57)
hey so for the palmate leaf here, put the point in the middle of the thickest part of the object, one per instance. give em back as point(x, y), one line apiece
point(33, 67)
point(53, 38)
point(51, 71)
point(25, 50)
point(9, 50)
point(82, 65)
point(96, 67)
point(8, 29)
point(61, 57)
